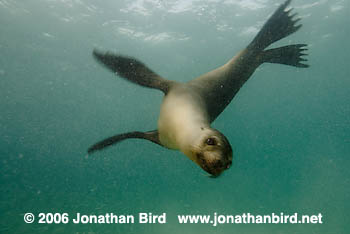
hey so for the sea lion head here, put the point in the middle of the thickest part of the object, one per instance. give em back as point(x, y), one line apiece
point(212, 152)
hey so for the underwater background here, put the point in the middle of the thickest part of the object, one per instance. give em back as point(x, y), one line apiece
point(289, 127)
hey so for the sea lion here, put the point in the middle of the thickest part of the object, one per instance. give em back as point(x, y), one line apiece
point(189, 108)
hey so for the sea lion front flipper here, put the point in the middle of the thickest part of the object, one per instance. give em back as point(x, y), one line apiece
point(151, 136)
point(133, 70)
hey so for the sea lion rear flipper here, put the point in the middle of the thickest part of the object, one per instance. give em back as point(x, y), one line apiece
point(218, 87)
point(288, 55)
point(133, 70)
point(151, 136)
point(280, 25)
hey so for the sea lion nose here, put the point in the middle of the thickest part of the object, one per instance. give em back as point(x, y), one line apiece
point(217, 169)
point(222, 165)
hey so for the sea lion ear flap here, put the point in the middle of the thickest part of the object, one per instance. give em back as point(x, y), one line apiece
point(151, 136)
point(132, 70)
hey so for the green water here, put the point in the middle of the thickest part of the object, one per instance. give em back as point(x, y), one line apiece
point(289, 128)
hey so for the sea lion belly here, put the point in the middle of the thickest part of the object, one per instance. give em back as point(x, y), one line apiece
point(181, 117)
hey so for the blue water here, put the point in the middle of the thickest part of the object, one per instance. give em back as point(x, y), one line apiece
point(289, 127)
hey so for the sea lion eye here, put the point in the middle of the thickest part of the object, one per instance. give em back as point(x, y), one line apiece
point(210, 141)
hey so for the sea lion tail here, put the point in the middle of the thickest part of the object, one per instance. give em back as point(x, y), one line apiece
point(280, 25)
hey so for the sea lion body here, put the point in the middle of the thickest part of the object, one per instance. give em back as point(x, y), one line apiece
point(189, 108)
point(184, 124)
point(182, 113)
